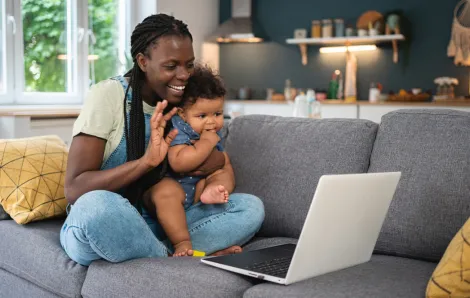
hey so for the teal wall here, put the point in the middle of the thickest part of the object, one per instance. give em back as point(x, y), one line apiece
point(267, 65)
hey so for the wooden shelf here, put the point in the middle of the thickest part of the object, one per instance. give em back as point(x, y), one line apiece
point(346, 41)
point(352, 40)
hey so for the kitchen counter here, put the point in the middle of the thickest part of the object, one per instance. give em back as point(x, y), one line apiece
point(338, 108)
point(43, 111)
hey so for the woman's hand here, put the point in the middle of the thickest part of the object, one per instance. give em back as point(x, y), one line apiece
point(158, 144)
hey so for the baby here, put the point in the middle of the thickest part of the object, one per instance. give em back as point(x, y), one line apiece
point(199, 121)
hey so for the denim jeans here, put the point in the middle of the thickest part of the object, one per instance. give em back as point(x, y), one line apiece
point(104, 225)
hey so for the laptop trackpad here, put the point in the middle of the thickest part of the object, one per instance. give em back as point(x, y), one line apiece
point(247, 259)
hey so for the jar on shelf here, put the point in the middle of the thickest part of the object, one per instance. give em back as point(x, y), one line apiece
point(316, 29)
point(339, 27)
point(327, 28)
point(350, 31)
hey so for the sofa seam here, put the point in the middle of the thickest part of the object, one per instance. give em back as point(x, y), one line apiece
point(395, 113)
point(7, 268)
point(364, 121)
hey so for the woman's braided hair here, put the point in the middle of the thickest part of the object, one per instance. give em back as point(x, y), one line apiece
point(144, 36)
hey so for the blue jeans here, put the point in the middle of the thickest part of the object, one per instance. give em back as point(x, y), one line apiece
point(104, 225)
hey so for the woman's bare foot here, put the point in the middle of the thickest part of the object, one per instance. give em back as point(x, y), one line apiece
point(214, 194)
point(228, 251)
point(183, 249)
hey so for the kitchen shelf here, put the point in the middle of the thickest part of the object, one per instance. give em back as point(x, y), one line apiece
point(346, 41)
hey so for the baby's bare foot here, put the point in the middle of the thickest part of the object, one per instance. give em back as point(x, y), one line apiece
point(183, 249)
point(216, 194)
point(228, 251)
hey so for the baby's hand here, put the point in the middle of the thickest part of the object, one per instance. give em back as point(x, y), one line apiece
point(210, 136)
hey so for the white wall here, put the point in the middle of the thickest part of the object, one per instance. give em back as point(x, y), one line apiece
point(142, 9)
point(202, 17)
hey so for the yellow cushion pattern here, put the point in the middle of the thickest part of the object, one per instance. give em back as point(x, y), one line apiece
point(451, 278)
point(32, 173)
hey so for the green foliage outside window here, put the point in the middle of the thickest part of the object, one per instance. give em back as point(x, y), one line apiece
point(45, 36)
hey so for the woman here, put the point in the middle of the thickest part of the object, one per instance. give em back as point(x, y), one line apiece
point(118, 154)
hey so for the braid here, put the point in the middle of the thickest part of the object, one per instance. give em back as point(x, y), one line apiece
point(136, 148)
point(145, 35)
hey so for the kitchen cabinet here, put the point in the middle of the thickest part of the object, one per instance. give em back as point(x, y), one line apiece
point(336, 108)
point(234, 108)
point(339, 111)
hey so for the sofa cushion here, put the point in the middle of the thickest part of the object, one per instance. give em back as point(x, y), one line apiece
point(382, 276)
point(12, 286)
point(281, 160)
point(32, 172)
point(432, 150)
point(452, 275)
point(162, 277)
point(33, 252)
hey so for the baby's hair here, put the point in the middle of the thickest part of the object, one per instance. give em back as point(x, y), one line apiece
point(203, 83)
point(144, 36)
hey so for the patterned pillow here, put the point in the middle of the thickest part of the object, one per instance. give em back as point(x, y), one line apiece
point(32, 173)
point(451, 278)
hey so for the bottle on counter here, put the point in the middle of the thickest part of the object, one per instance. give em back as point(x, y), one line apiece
point(333, 86)
point(350, 90)
point(374, 92)
point(340, 93)
point(288, 90)
point(301, 108)
point(314, 107)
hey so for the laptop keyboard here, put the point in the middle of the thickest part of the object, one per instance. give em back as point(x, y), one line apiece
point(275, 267)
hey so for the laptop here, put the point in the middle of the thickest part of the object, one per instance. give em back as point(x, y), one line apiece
point(341, 228)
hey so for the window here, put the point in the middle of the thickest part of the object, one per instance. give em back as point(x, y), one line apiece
point(2, 47)
point(58, 48)
point(109, 43)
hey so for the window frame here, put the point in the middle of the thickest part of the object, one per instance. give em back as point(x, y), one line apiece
point(77, 17)
point(7, 95)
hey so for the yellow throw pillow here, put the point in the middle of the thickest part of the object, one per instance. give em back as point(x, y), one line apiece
point(451, 278)
point(32, 173)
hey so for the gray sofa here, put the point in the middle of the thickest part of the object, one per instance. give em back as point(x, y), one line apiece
point(280, 160)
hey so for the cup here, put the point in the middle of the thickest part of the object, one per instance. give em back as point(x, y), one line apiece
point(392, 21)
point(349, 31)
point(362, 32)
point(373, 32)
point(244, 93)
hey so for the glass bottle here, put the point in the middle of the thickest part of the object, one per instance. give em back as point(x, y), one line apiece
point(288, 91)
point(339, 27)
point(316, 29)
point(327, 29)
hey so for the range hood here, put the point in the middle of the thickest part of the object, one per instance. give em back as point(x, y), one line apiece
point(239, 28)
